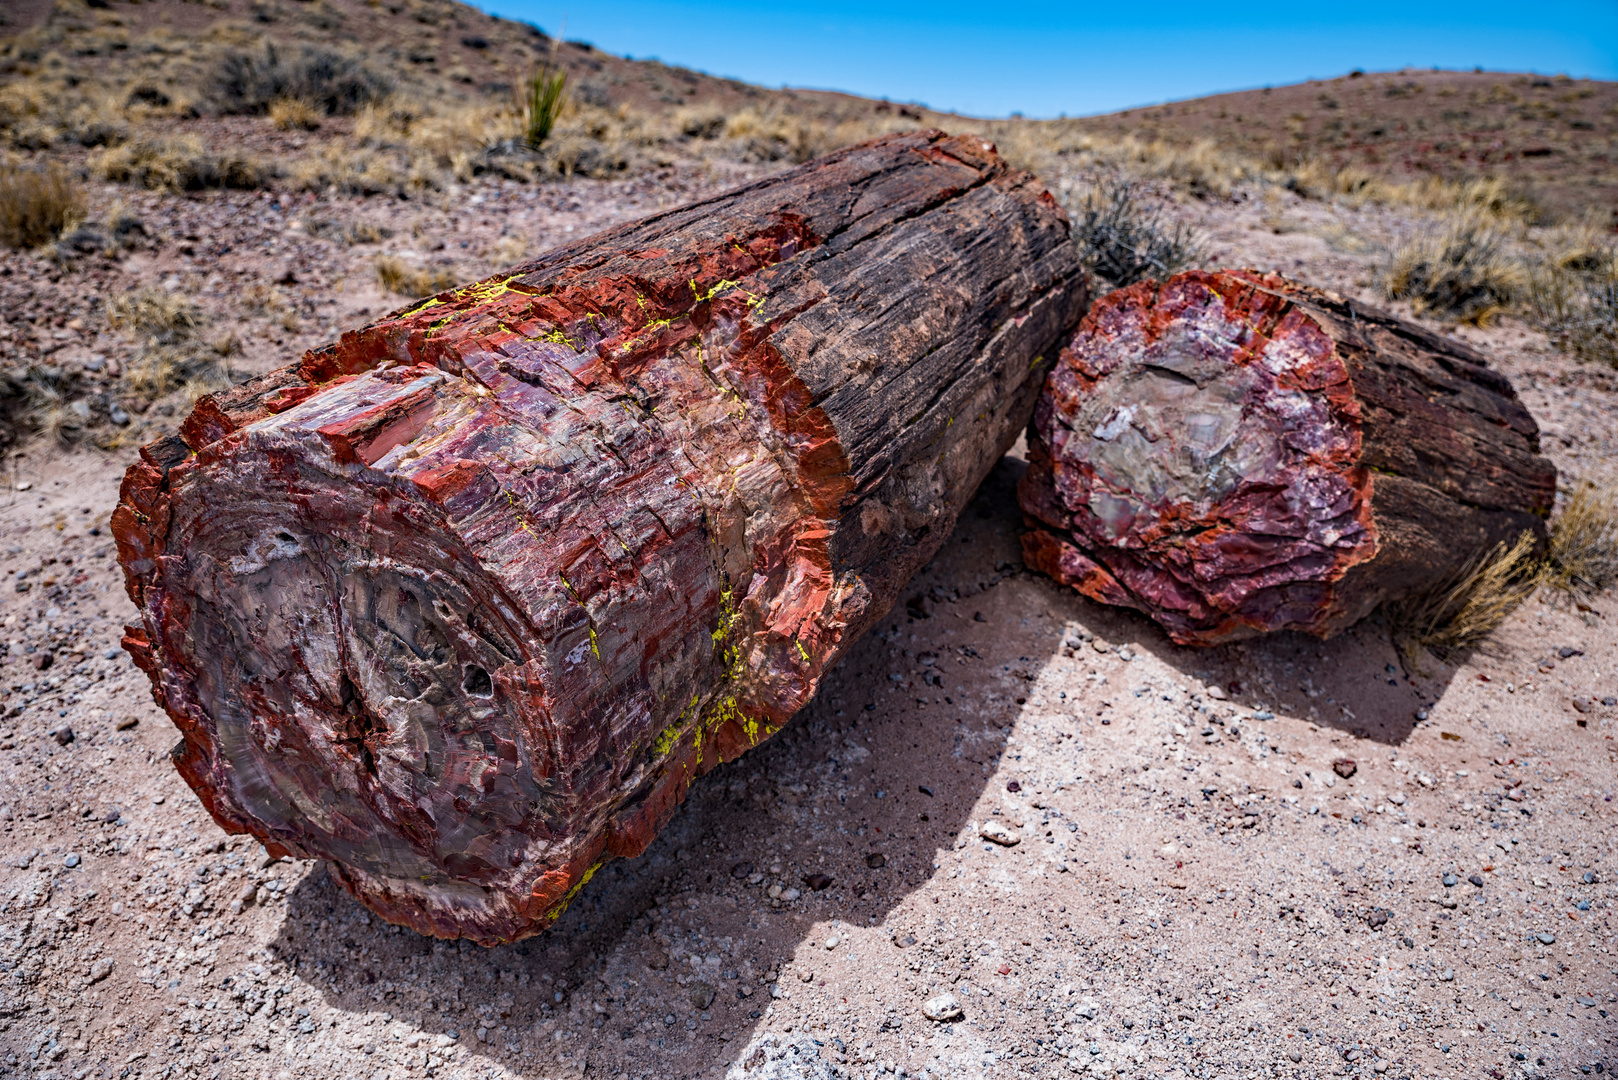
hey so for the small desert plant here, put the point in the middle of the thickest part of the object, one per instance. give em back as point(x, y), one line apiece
point(37, 205)
point(249, 82)
point(291, 114)
point(539, 102)
point(1472, 604)
point(1574, 298)
point(1583, 557)
point(179, 164)
point(394, 275)
point(172, 353)
point(1467, 273)
point(1123, 242)
point(508, 251)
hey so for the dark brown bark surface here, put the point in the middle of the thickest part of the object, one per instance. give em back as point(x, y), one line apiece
point(465, 601)
point(1232, 453)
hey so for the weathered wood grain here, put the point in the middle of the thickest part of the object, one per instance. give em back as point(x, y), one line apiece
point(1233, 453)
point(465, 601)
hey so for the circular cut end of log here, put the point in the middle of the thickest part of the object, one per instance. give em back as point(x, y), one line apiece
point(1196, 452)
point(361, 673)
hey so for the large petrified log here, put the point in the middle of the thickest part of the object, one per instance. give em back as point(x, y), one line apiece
point(464, 602)
point(1232, 453)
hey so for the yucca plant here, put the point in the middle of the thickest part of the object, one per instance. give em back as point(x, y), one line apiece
point(540, 101)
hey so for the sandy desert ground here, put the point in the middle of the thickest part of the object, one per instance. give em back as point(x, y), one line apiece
point(1284, 858)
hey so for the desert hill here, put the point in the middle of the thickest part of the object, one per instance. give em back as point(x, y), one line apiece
point(88, 73)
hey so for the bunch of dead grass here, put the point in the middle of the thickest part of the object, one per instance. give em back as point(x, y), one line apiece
point(37, 205)
point(1471, 605)
point(1583, 556)
point(1467, 272)
point(1573, 296)
point(295, 114)
point(399, 277)
point(173, 355)
point(179, 164)
point(1580, 562)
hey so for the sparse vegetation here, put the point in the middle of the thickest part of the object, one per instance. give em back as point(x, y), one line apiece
point(1123, 241)
point(179, 164)
point(172, 354)
point(1467, 273)
point(1463, 611)
point(540, 102)
point(290, 114)
point(1583, 556)
point(1573, 296)
point(251, 81)
point(37, 205)
point(396, 276)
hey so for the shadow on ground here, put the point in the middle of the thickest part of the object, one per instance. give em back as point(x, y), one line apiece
point(661, 968)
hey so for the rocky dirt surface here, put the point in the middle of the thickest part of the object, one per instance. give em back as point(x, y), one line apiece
point(1017, 834)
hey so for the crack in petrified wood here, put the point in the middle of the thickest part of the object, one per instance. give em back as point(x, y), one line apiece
point(1233, 453)
point(464, 602)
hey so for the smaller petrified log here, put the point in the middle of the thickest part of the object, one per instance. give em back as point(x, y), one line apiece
point(1232, 453)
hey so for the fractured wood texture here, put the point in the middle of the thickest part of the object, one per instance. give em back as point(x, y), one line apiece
point(1232, 453)
point(464, 602)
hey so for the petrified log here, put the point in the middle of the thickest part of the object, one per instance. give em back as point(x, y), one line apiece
point(465, 601)
point(1232, 453)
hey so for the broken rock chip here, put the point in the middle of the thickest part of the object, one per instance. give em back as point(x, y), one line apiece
point(941, 1008)
point(999, 834)
point(1344, 767)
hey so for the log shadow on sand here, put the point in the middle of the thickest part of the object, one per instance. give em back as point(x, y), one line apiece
point(846, 808)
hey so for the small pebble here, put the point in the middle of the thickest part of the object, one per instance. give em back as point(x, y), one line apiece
point(941, 1008)
point(1000, 834)
point(71, 861)
point(1450, 881)
point(1545, 937)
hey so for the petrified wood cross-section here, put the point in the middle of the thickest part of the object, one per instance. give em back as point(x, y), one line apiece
point(465, 601)
point(1232, 453)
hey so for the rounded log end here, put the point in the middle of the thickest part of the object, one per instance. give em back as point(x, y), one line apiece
point(1195, 455)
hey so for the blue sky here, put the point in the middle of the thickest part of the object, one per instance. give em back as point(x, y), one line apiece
point(992, 59)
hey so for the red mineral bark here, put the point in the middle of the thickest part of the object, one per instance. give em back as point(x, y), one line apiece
point(464, 602)
point(1233, 453)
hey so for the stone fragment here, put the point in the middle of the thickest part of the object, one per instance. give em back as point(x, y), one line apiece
point(999, 833)
point(942, 1007)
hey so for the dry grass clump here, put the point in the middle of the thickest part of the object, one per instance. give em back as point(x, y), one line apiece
point(1580, 562)
point(397, 276)
point(172, 353)
point(1122, 241)
point(37, 205)
point(251, 81)
point(1467, 273)
point(1461, 612)
point(1583, 556)
point(295, 114)
point(348, 171)
point(1573, 297)
point(179, 164)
